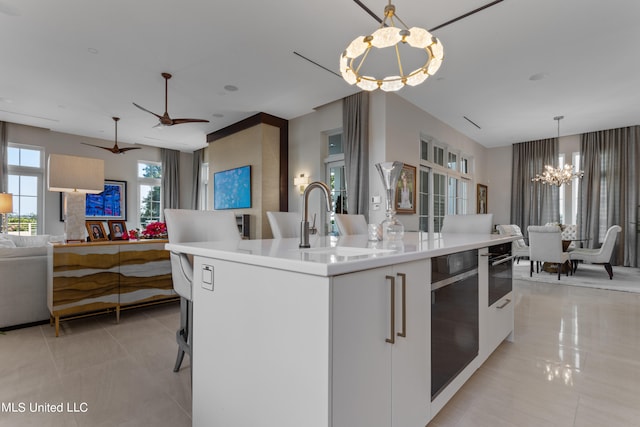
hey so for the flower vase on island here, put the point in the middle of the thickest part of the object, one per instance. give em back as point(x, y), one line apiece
point(392, 229)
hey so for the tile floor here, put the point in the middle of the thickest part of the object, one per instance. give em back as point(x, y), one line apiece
point(575, 362)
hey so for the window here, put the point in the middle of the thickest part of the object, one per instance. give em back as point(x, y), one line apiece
point(149, 192)
point(561, 192)
point(203, 200)
point(443, 188)
point(26, 171)
point(336, 179)
point(575, 188)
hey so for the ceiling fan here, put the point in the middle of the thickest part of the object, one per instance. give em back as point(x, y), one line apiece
point(165, 120)
point(115, 149)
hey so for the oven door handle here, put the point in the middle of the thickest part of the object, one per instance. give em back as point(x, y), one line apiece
point(503, 260)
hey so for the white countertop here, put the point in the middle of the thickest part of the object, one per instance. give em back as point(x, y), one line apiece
point(330, 256)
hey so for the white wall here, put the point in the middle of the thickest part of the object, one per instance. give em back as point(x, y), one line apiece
point(395, 126)
point(122, 167)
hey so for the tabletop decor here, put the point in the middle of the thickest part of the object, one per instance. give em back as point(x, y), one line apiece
point(155, 230)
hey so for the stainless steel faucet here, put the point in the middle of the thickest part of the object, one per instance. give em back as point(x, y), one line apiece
point(304, 225)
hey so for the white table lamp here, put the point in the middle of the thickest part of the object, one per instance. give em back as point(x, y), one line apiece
point(75, 176)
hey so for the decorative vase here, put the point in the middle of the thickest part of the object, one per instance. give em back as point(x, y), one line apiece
point(392, 229)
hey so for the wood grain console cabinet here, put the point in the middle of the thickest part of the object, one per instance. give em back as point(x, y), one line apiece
point(91, 278)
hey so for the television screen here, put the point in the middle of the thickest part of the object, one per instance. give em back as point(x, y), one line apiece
point(232, 188)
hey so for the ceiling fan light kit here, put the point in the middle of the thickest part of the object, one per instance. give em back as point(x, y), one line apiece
point(389, 36)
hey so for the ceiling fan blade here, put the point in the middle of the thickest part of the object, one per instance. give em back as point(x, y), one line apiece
point(150, 112)
point(181, 121)
point(98, 146)
point(122, 150)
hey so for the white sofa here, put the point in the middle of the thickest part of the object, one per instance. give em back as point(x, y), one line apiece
point(23, 279)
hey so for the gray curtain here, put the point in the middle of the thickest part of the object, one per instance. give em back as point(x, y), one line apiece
point(533, 203)
point(198, 159)
point(609, 189)
point(355, 134)
point(4, 147)
point(170, 178)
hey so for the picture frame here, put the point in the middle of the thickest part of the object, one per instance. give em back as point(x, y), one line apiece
point(482, 199)
point(405, 202)
point(96, 231)
point(117, 229)
point(111, 204)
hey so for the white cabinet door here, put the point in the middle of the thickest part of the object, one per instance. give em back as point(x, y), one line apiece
point(380, 378)
point(411, 355)
point(361, 358)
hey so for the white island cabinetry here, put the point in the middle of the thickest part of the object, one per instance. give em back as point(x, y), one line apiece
point(315, 337)
point(380, 368)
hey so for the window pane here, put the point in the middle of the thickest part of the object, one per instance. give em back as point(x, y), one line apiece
point(149, 204)
point(335, 144)
point(423, 197)
point(452, 162)
point(149, 170)
point(24, 157)
point(424, 150)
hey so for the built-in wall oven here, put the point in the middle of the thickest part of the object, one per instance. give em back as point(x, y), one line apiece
point(500, 272)
point(454, 316)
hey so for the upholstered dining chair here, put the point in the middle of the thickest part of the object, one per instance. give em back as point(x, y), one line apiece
point(598, 256)
point(469, 224)
point(545, 245)
point(284, 224)
point(184, 225)
point(351, 224)
point(519, 248)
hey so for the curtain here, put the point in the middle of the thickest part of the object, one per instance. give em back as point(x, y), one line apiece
point(355, 132)
point(609, 189)
point(170, 184)
point(198, 159)
point(533, 203)
point(4, 148)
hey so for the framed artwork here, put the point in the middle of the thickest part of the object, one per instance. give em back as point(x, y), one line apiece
point(406, 191)
point(110, 204)
point(96, 231)
point(117, 229)
point(481, 199)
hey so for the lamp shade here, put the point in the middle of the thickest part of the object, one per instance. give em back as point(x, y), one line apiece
point(6, 203)
point(75, 174)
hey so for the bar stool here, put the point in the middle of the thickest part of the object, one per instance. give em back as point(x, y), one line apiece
point(184, 225)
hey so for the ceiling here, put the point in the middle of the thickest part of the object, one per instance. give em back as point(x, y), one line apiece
point(70, 65)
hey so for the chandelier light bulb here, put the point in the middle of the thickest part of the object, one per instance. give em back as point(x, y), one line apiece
point(389, 36)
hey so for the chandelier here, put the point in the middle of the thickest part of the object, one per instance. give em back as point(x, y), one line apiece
point(559, 176)
point(390, 36)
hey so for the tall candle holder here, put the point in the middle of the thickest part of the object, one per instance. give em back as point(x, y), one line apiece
point(392, 229)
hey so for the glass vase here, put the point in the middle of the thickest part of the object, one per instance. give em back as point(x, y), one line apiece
point(392, 229)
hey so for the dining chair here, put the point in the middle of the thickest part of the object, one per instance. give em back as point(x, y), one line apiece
point(519, 248)
point(185, 225)
point(601, 255)
point(351, 224)
point(284, 224)
point(545, 246)
point(469, 224)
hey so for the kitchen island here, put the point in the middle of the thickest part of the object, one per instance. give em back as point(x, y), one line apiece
point(336, 335)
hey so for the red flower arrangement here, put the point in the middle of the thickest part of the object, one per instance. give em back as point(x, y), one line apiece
point(155, 230)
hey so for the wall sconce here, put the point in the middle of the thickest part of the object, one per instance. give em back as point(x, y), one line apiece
point(301, 182)
point(75, 176)
point(6, 206)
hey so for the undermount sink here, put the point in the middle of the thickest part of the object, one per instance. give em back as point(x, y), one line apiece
point(346, 251)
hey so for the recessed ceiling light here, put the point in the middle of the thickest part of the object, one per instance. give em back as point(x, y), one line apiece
point(538, 76)
point(218, 115)
point(93, 50)
point(7, 100)
point(231, 88)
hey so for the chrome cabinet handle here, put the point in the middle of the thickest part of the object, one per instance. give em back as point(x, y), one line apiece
point(404, 305)
point(392, 297)
point(504, 304)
